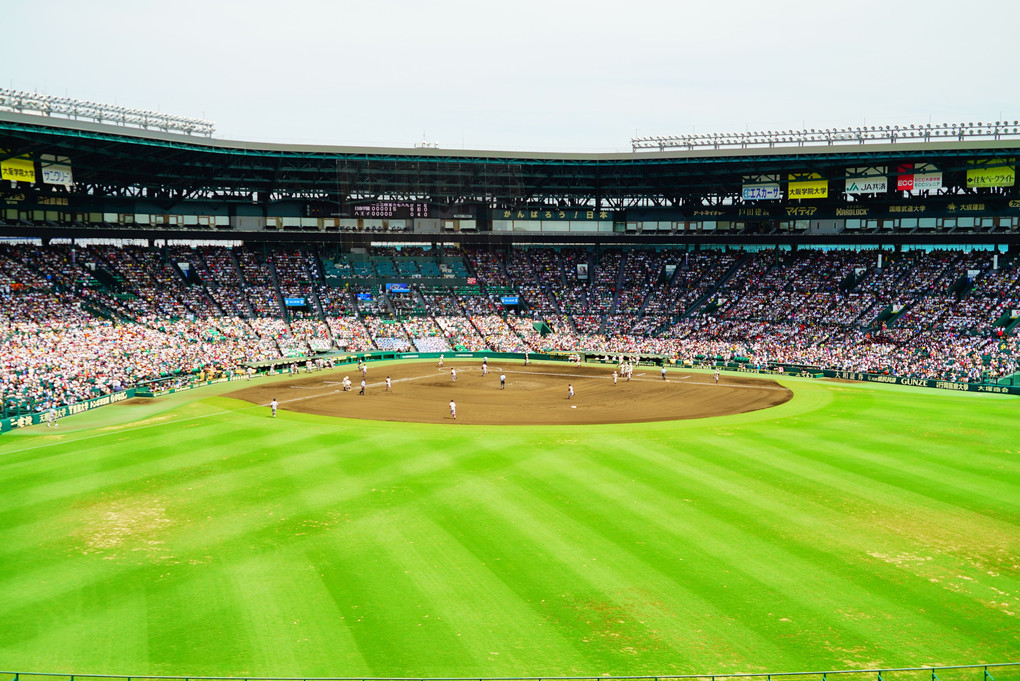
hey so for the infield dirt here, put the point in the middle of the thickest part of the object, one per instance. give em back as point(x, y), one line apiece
point(534, 395)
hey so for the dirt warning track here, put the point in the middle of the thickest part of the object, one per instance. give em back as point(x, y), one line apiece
point(534, 395)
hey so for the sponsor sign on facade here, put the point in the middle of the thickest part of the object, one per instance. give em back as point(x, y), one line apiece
point(761, 192)
point(807, 186)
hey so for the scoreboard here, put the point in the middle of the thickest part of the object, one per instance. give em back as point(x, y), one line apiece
point(396, 210)
point(391, 210)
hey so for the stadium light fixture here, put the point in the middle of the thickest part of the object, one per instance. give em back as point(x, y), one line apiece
point(65, 107)
point(854, 134)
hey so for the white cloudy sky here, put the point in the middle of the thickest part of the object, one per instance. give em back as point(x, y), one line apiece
point(520, 74)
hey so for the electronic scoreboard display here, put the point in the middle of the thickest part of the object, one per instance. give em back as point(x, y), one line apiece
point(396, 210)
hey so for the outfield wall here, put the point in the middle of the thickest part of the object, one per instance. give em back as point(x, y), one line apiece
point(25, 420)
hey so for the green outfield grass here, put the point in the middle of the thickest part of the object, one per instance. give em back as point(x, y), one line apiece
point(854, 526)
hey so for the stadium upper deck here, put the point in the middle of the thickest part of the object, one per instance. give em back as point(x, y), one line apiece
point(73, 178)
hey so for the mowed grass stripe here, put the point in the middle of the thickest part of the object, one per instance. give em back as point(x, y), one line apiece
point(111, 626)
point(563, 544)
point(291, 604)
point(745, 552)
point(972, 456)
point(168, 479)
point(604, 596)
point(426, 592)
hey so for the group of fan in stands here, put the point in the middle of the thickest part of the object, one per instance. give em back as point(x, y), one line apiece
point(80, 323)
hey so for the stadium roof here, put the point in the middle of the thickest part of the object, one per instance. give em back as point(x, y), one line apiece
point(124, 170)
point(120, 161)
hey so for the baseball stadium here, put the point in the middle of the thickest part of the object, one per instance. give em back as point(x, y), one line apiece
point(722, 406)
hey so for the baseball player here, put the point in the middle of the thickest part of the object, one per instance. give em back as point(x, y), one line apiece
point(716, 375)
point(502, 381)
point(273, 405)
point(663, 372)
point(453, 410)
point(453, 375)
point(440, 365)
point(362, 387)
point(614, 378)
point(570, 391)
point(388, 384)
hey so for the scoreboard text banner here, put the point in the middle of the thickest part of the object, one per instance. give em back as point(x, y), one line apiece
point(807, 186)
point(761, 192)
point(19, 169)
point(991, 176)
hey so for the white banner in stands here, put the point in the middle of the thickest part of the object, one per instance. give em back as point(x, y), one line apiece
point(56, 170)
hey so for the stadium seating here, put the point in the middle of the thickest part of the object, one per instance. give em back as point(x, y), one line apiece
point(80, 323)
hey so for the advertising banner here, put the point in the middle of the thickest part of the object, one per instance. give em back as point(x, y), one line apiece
point(56, 170)
point(922, 178)
point(761, 192)
point(18, 169)
point(905, 177)
point(927, 181)
point(867, 185)
point(994, 174)
point(867, 180)
point(807, 186)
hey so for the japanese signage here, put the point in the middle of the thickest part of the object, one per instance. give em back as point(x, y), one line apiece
point(56, 170)
point(807, 186)
point(552, 214)
point(994, 174)
point(17, 169)
point(801, 211)
point(761, 192)
point(909, 209)
point(866, 180)
point(391, 209)
point(927, 181)
point(967, 207)
point(866, 185)
point(25, 420)
point(923, 179)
